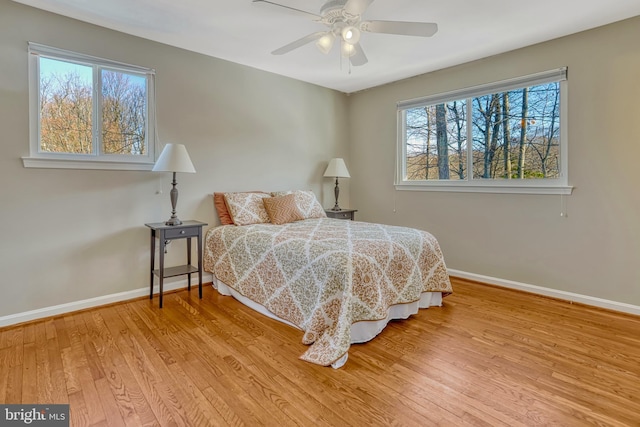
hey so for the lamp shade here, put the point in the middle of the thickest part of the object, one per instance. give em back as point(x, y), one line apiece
point(347, 50)
point(337, 169)
point(351, 35)
point(174, 158)
point(325, 43)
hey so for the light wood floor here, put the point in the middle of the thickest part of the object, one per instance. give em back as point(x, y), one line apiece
point(488, 357)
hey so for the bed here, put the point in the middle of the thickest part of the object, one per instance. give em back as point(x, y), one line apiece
point(338, 281)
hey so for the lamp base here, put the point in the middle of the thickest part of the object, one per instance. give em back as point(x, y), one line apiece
point(174, 201)
point(336, 192)
point(173, 221)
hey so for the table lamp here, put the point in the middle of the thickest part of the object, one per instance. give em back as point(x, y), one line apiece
point(337, 169)
point(174, 158)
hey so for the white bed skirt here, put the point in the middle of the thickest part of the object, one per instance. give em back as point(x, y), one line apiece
point(361, 331)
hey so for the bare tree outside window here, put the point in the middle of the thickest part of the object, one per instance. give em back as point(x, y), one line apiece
point(515, 135)
point(123, 113)
point(436, 141)
point(87, 112)
point(527, 121)
point(67, 107)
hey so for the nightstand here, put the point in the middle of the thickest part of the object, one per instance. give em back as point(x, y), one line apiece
point(342, 214)
point(164, 233)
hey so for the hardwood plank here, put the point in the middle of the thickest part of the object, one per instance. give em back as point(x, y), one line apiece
point(60, 327)
point(199, 410)
point(29, 374)
point(488, 356)
point(77, 368)
point(113, 383)
point(44, 384)
point(141, 372)
point(171, 391)
point(232, 415)
point(11, 337)
point(133, 404)
point(13, 392)
point(59, 392)
point(111, 406)
point(78, 414)
point(442, 407)
point(29, 335)
point(50, 328)
point(5, 371)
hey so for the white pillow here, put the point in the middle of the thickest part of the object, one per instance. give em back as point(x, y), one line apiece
point(247, 208)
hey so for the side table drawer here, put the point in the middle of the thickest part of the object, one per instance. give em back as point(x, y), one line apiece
point(342, 215)
point(181, 232)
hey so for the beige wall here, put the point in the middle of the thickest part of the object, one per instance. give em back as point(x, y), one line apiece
point(70, 235)
point(595, 251)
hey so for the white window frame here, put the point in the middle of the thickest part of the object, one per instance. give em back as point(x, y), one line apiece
point(96, 159)
point(558, 185)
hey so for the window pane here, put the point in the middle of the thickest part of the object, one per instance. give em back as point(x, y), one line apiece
point(123, 113)
point(436, 142)
point(65, 107)
point(516, 134)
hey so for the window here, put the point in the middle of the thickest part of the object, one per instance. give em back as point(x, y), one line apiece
point(508, 136)
point(89, 113)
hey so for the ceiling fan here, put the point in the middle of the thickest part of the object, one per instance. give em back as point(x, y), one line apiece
point(344, 19)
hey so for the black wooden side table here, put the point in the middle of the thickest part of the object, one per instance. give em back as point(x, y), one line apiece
point(164, 233)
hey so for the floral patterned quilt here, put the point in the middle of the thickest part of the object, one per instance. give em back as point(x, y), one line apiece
point(325, 274)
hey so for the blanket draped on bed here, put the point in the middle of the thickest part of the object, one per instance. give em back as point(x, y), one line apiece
point(325, 274)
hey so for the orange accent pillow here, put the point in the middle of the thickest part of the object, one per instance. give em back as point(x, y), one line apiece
point(282, 210)
point(306, 201)
point(221, 207)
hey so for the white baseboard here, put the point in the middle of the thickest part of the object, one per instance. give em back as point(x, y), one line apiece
point(56, 310)
point(554, 293)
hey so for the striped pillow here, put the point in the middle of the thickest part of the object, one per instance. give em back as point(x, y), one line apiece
point(282, 210)
point(307, 203)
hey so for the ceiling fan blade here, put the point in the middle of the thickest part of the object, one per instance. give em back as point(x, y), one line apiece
point(357, 7)
point(420, 29)
point(309, 14)
point(358, 58)
point(298, 43)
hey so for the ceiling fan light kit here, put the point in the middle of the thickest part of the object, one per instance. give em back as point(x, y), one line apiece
point(347, 50)
point(325, 43)
point(351, 35)
point(344, 20)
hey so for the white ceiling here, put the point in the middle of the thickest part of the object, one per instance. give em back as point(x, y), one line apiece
point(244, 32)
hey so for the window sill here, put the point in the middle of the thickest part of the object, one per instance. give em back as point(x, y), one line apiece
point(51, 163)
point(470, 188)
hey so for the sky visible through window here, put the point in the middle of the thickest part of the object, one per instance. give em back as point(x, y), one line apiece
point(49, 67)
